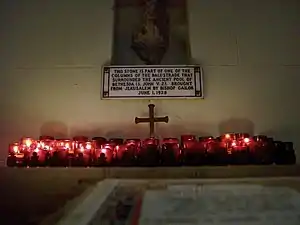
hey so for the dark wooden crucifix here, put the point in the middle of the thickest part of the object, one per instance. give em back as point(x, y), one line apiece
point(151, 119)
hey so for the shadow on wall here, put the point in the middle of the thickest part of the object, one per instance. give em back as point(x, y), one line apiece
point(54, 128)
point(285, 133)
point(270, 133)
point(176, 130)
point(140, 130)
point(237, 125)
point(109, 131)
point(60, 130)
point(86, 130)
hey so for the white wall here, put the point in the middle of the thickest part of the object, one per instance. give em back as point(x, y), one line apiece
point(52, 52)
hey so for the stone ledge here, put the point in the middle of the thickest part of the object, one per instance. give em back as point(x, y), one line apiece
point(41, 185)
point(203, 172)
point(84, 211)
point(86, 174)
point(179, 185)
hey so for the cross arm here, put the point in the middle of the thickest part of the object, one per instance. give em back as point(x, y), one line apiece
point(141, 120)
point(164, 119)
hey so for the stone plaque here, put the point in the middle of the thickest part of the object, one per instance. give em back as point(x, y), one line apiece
point(152, 82)
point(222, 205)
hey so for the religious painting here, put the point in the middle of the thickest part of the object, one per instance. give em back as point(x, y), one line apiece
point(150, 32)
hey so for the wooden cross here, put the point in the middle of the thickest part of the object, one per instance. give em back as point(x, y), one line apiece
point(151, 119)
